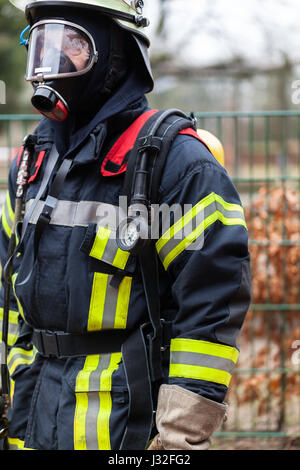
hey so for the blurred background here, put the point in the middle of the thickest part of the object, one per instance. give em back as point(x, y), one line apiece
point(236, 65)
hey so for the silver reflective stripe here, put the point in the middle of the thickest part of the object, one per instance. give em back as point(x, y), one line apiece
point(13, 326)
point(72, 214)
point(19, 356)
point(201, 360)
point(110, 305)
point(95, 376)
point(110, 250)
point(91, 427)
point(94, 402)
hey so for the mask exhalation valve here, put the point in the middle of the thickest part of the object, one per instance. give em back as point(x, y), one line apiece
point(46, 101)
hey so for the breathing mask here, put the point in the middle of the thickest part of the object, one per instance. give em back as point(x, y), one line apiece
point(58, 50)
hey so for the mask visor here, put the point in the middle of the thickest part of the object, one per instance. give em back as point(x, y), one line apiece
point(59, 50)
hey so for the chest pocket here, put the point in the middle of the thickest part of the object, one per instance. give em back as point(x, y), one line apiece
point(113, 271)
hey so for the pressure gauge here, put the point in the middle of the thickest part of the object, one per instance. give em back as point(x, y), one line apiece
point(133, 234)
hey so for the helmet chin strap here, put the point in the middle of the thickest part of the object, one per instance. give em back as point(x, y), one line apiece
point(50, 103)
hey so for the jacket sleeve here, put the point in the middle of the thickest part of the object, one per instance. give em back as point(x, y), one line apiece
point(205, 252)
point(7, 218)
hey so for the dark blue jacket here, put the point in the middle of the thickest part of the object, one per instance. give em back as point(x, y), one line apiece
point(204, 285)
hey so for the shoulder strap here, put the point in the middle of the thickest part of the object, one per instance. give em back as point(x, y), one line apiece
point(152, 146)
point(167, 132)
point(156, 136)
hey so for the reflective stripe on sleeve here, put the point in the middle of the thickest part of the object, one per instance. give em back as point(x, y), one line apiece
point(189, 228)
point(109, 305)
point(13, 326)
point(7, 215)
point(20, 356)
point(94, 402)
point(202, 360)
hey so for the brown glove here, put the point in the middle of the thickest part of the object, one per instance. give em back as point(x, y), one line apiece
point(185, 420)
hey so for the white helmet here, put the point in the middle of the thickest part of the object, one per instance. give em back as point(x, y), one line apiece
point(128, 14)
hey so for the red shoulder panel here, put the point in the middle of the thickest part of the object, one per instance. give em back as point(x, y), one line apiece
point(193, 133)
point(125, 143)
point(37, 166)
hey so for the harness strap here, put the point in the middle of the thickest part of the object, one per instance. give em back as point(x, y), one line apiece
point(140, 416)
point(50, 203)
point(156, 135)
point(52, 160)
point(51, 163)
point(62, 345)
point(149, 270)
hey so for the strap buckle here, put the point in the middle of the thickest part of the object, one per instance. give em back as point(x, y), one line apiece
point(150, 142)
point(47, 343)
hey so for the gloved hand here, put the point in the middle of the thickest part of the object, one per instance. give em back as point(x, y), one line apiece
point(185, 420)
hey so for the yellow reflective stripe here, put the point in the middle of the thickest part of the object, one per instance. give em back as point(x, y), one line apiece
point(106, 249)
point(13, 316)
point(83, 376)
point(91, 365)
point(100, 242)
point(106, 402)
point(93, 408)
point(202, 360)
point(200, 373)
point(12, 391)
point(103, 421)
point(97, 302)
point(121, 259)
point(5, 225)
point(210, 202)
point(15, 443)
point(105, 379)
point(9, 208)
point(184, 221)
point(123, 303)
point(80, 420)
point(204, 347)
point(189, 239)
point(7, 215)
point(228, 205)
point(19, 356)
point(13, 327)
point(109, 305)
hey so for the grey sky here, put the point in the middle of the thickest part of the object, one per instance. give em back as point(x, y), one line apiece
point(207, 31)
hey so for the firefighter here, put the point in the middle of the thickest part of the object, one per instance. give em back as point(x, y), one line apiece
point(81, 362)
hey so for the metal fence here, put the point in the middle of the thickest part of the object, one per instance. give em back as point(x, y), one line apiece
point(263, 159)
point(262, 152)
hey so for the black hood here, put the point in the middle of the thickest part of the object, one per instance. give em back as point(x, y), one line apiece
point(115, 84)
